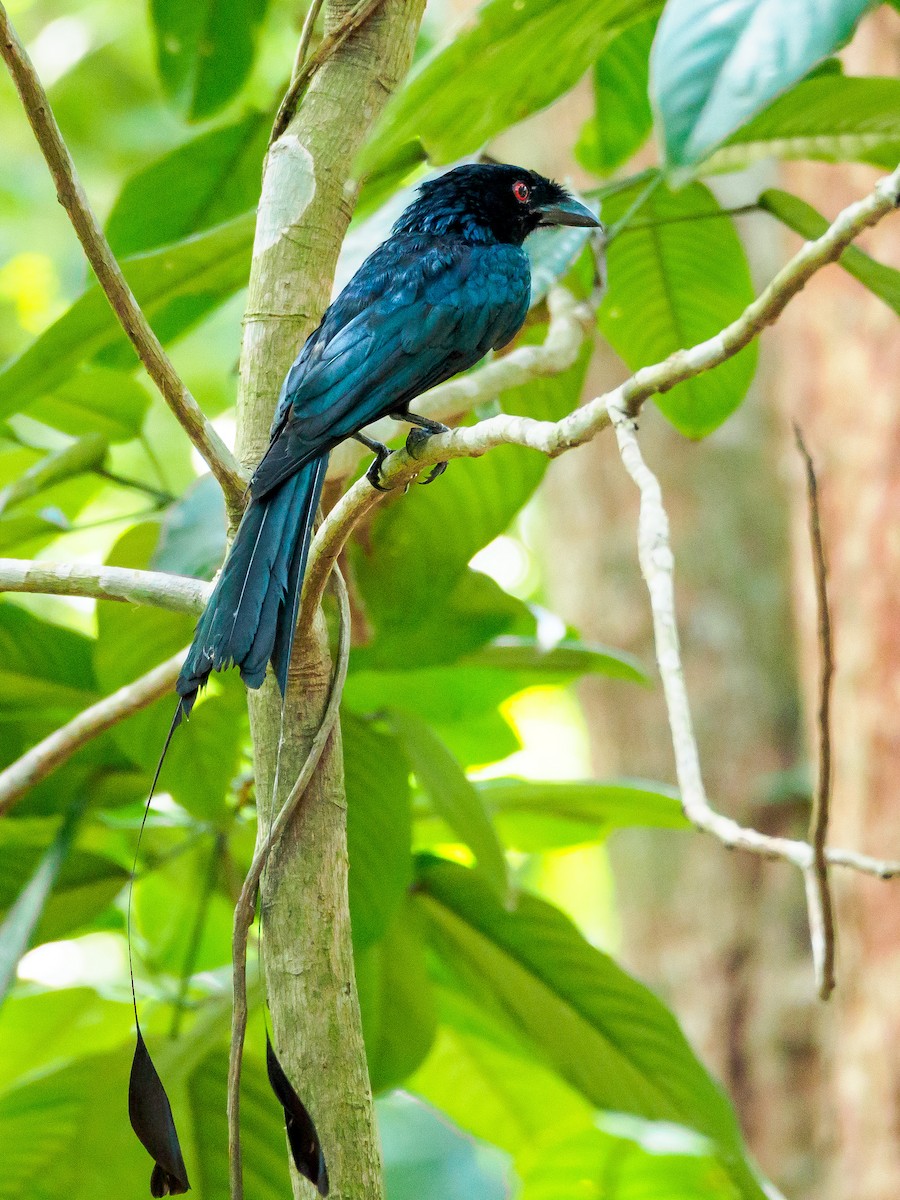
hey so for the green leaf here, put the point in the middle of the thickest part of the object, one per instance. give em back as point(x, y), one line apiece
point(561, 661)
point(83, 455)
point(175, 287)
point(205, 182)
point(622, 117)
point(24, 913)
point(192, 538)
point(205, 50)
point(379, 826)
point(395, 995)
point(713, 67)
point(535, 816)
point(47, 892)
point(672, 285)
point(454, 798)
point(830, 118)
point(166, 908)
point(608, 1036)
point(884, 281)
point(497, 71)
point(95, 400)
point(45, 670)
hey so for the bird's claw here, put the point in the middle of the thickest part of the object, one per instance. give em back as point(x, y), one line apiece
point(436, 471)
point(374, 473)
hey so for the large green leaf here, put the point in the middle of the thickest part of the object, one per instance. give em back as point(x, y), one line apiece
point(45, 670)
point(192, 538)
point(85, 454)
point(511, 60)
point(606, 1034)
point(884, 281)
point(831, 118)
point(205, 50)
point(379, 826)
point(95, 400)
point(453, 797)
point(674, 282)
point(714, 65)
point(547, 815)
point(558, 662)
point(395, 996)
point(175, 286)
point(207, 181)
point(622, 117)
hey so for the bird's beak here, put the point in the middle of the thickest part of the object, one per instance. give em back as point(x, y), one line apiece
point(568, 212)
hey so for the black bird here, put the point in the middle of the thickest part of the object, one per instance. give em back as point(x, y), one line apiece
point(450, 283)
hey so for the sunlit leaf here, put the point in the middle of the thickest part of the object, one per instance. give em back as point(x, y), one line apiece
point(715, 66)
point(622, 118)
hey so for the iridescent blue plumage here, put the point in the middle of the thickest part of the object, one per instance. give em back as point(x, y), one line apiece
point(451, 283)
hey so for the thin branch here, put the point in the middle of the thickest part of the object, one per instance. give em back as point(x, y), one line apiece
point(72, 197)
point(331, 42)
point(580, 426)
point(657, 566)
point(306, 33)
point(246, 905)
point(41, 760)
point(177, 593)
point(817, 878)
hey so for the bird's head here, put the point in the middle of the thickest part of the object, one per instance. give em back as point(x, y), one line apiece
point(492, 202)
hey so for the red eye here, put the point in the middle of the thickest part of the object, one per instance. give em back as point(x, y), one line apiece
point(521, 191)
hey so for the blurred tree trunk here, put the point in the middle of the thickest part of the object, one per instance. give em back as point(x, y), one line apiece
point(839, 379)
point(303, 214)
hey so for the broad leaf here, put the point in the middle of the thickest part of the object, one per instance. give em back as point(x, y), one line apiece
point(622, 117)
point(379, 826)
point(85, 454)
point(884, 281)
point(95, 400)
point(534, 816)
point(395, 996)
point(192, 537)
point(45, 670)
point(564, 659)
point(510, 61)
point(205, 50)
point(207, 181)
point(675, 282)
point(714, 65)
point(830, 118)
point(608, 1036)
point(175, 286)
point(453, 797)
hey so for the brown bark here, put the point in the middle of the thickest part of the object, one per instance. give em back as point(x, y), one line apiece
point(304, 211)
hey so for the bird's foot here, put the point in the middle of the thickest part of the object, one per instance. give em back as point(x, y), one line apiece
point(374, 473)
point(417, 439)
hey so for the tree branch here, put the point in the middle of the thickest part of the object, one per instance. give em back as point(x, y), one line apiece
point(657, 565)
point(72, 197)
point(41, 760)
point(820, 904)
point(177, 593)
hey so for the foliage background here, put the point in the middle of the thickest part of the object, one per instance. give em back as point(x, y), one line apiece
point(510, 1052)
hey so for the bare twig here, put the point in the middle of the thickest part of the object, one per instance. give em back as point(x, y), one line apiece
point(109, 274)
point(56, 749)
point(177, 593)
point(331, 42)
point(580, 426)
point(657, 565)
point(306, 33)
point(246, 905)
point(817, 877)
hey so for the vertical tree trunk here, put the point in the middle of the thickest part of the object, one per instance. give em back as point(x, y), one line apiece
point(304, 210)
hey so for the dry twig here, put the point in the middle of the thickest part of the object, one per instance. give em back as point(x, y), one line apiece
point(818, 891)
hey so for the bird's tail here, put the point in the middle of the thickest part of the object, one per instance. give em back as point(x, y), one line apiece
point(252, 612)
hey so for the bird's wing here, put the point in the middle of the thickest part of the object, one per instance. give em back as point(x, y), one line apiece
point(416, 313)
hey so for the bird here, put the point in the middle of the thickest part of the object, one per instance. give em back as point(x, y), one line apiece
point(450, 283)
